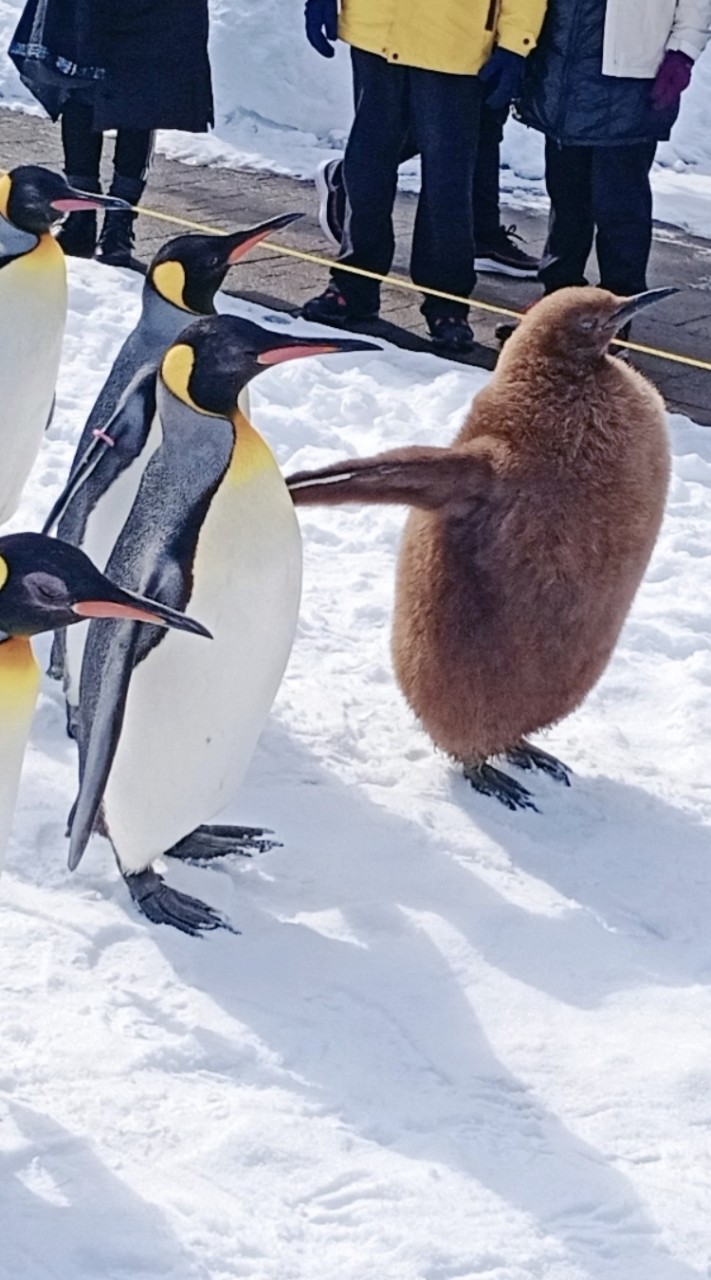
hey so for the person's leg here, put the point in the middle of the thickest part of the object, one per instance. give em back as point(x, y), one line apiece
point(497, 250)
point(370, 177)
point(570, 224)
point(132, 158)
point(82, 157)
point(445, 117)
point(622, 208)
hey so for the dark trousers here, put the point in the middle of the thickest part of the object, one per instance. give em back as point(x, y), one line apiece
point(600, 193)
point(442, 113)
point(82, 145)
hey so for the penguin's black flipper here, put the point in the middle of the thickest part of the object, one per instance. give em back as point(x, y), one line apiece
point(113, 449)
point(448, 480)
point(163, 905)
point(207, 843)
point(101, 713)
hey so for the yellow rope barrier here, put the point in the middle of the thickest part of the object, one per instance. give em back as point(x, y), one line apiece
point(398, 282)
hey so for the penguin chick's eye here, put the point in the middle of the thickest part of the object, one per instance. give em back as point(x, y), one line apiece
point(586, 323)
point(44, 588)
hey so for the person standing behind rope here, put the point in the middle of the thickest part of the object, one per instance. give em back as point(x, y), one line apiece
point(426, 67)
point(132, 65)
point(604, 86)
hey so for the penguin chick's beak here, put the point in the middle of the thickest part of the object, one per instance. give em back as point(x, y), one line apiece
point(245, 240)
point(139, 609)
point(74, 201)
point(631, 306)
point(298, 348)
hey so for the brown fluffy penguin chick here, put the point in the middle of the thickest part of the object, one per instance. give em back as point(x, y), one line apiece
point(528, 539)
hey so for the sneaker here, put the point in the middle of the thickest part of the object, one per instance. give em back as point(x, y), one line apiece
point(331, 307)
point(451, 334)
point(332, 200)
point(502, 257)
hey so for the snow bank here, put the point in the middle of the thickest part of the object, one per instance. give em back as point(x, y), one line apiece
point(452, 1043)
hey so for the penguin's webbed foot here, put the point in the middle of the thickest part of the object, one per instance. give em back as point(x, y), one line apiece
point(206, 843)
point(492, 782)
point(163, 905)
point(526, 756)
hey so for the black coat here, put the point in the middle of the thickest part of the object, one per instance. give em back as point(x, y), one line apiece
point(142, 63)
point(567, 97)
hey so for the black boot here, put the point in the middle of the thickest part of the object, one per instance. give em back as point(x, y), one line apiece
point(77, 234)
point(115, 246)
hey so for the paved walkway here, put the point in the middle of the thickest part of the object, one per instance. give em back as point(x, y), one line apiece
point(228, 199)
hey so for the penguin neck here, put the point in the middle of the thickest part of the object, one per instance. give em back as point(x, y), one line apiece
point(161, 313)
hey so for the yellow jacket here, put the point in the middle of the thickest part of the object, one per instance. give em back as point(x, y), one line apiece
point(441, 35)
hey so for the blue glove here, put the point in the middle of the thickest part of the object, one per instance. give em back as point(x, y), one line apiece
point(502, 75)
point(321, 25)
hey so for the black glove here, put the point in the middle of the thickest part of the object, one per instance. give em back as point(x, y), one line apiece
point(502, 75)
point(322, 25)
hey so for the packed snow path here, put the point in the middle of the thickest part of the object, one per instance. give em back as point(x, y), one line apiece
point(452, 1043)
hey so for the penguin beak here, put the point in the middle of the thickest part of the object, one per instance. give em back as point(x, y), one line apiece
point(138, 609)
point(243, 241)
point(631, 306)
point(76, 200)
point(299, 348)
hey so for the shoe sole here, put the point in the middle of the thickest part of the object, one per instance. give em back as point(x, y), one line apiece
point(323, 192)
point(502, 269)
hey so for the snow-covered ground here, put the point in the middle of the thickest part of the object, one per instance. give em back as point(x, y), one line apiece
point(451, 1043)
point(280, 106)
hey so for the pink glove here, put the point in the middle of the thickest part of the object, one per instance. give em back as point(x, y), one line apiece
point(671, 80)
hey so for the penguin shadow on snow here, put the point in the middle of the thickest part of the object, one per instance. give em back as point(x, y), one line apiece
point(63, 1213)
point(347, 982)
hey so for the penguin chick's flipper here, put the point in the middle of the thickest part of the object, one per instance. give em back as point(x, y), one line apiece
point(526, 756)
point(163, 905)
point(435, 479)
point(492, 782)
point(206, 843)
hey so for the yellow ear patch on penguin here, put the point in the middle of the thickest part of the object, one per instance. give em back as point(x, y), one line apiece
point(4, 572)
point(5, 185)
point(168, 280)
point(176, 372)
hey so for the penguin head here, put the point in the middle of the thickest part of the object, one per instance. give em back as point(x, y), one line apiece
point(188, 270)
point(578, 324)
point(33, 198)
point(214, 358)
point(45, 584)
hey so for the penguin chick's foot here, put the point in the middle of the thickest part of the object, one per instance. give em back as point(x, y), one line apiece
point(164, 905)
point(204, 844)
point(526, 756)
point(492, 782)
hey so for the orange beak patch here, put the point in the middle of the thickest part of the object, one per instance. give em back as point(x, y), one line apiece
point(280, 354)
point(107, 609)
point(71, 204)
point(246, 245)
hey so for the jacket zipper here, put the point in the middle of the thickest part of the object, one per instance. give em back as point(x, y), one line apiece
point(490, 24)
point(566, 73)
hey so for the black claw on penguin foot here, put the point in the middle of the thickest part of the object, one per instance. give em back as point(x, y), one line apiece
point(526, 756)
point(163, 905)
point(207, 843)
point(492, 782)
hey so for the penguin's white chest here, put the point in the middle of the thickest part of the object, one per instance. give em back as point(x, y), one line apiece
point(196, 707)
point(106, 520)
point(33, 309)
point(19, 682)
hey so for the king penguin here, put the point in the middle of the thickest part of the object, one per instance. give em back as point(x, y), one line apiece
point(45, 583)
point(33, 309)
point(181, 283)
point(528, 539)
point(165, 739)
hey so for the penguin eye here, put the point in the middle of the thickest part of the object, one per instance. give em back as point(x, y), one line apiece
point(45, 589)
point(587, 322)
